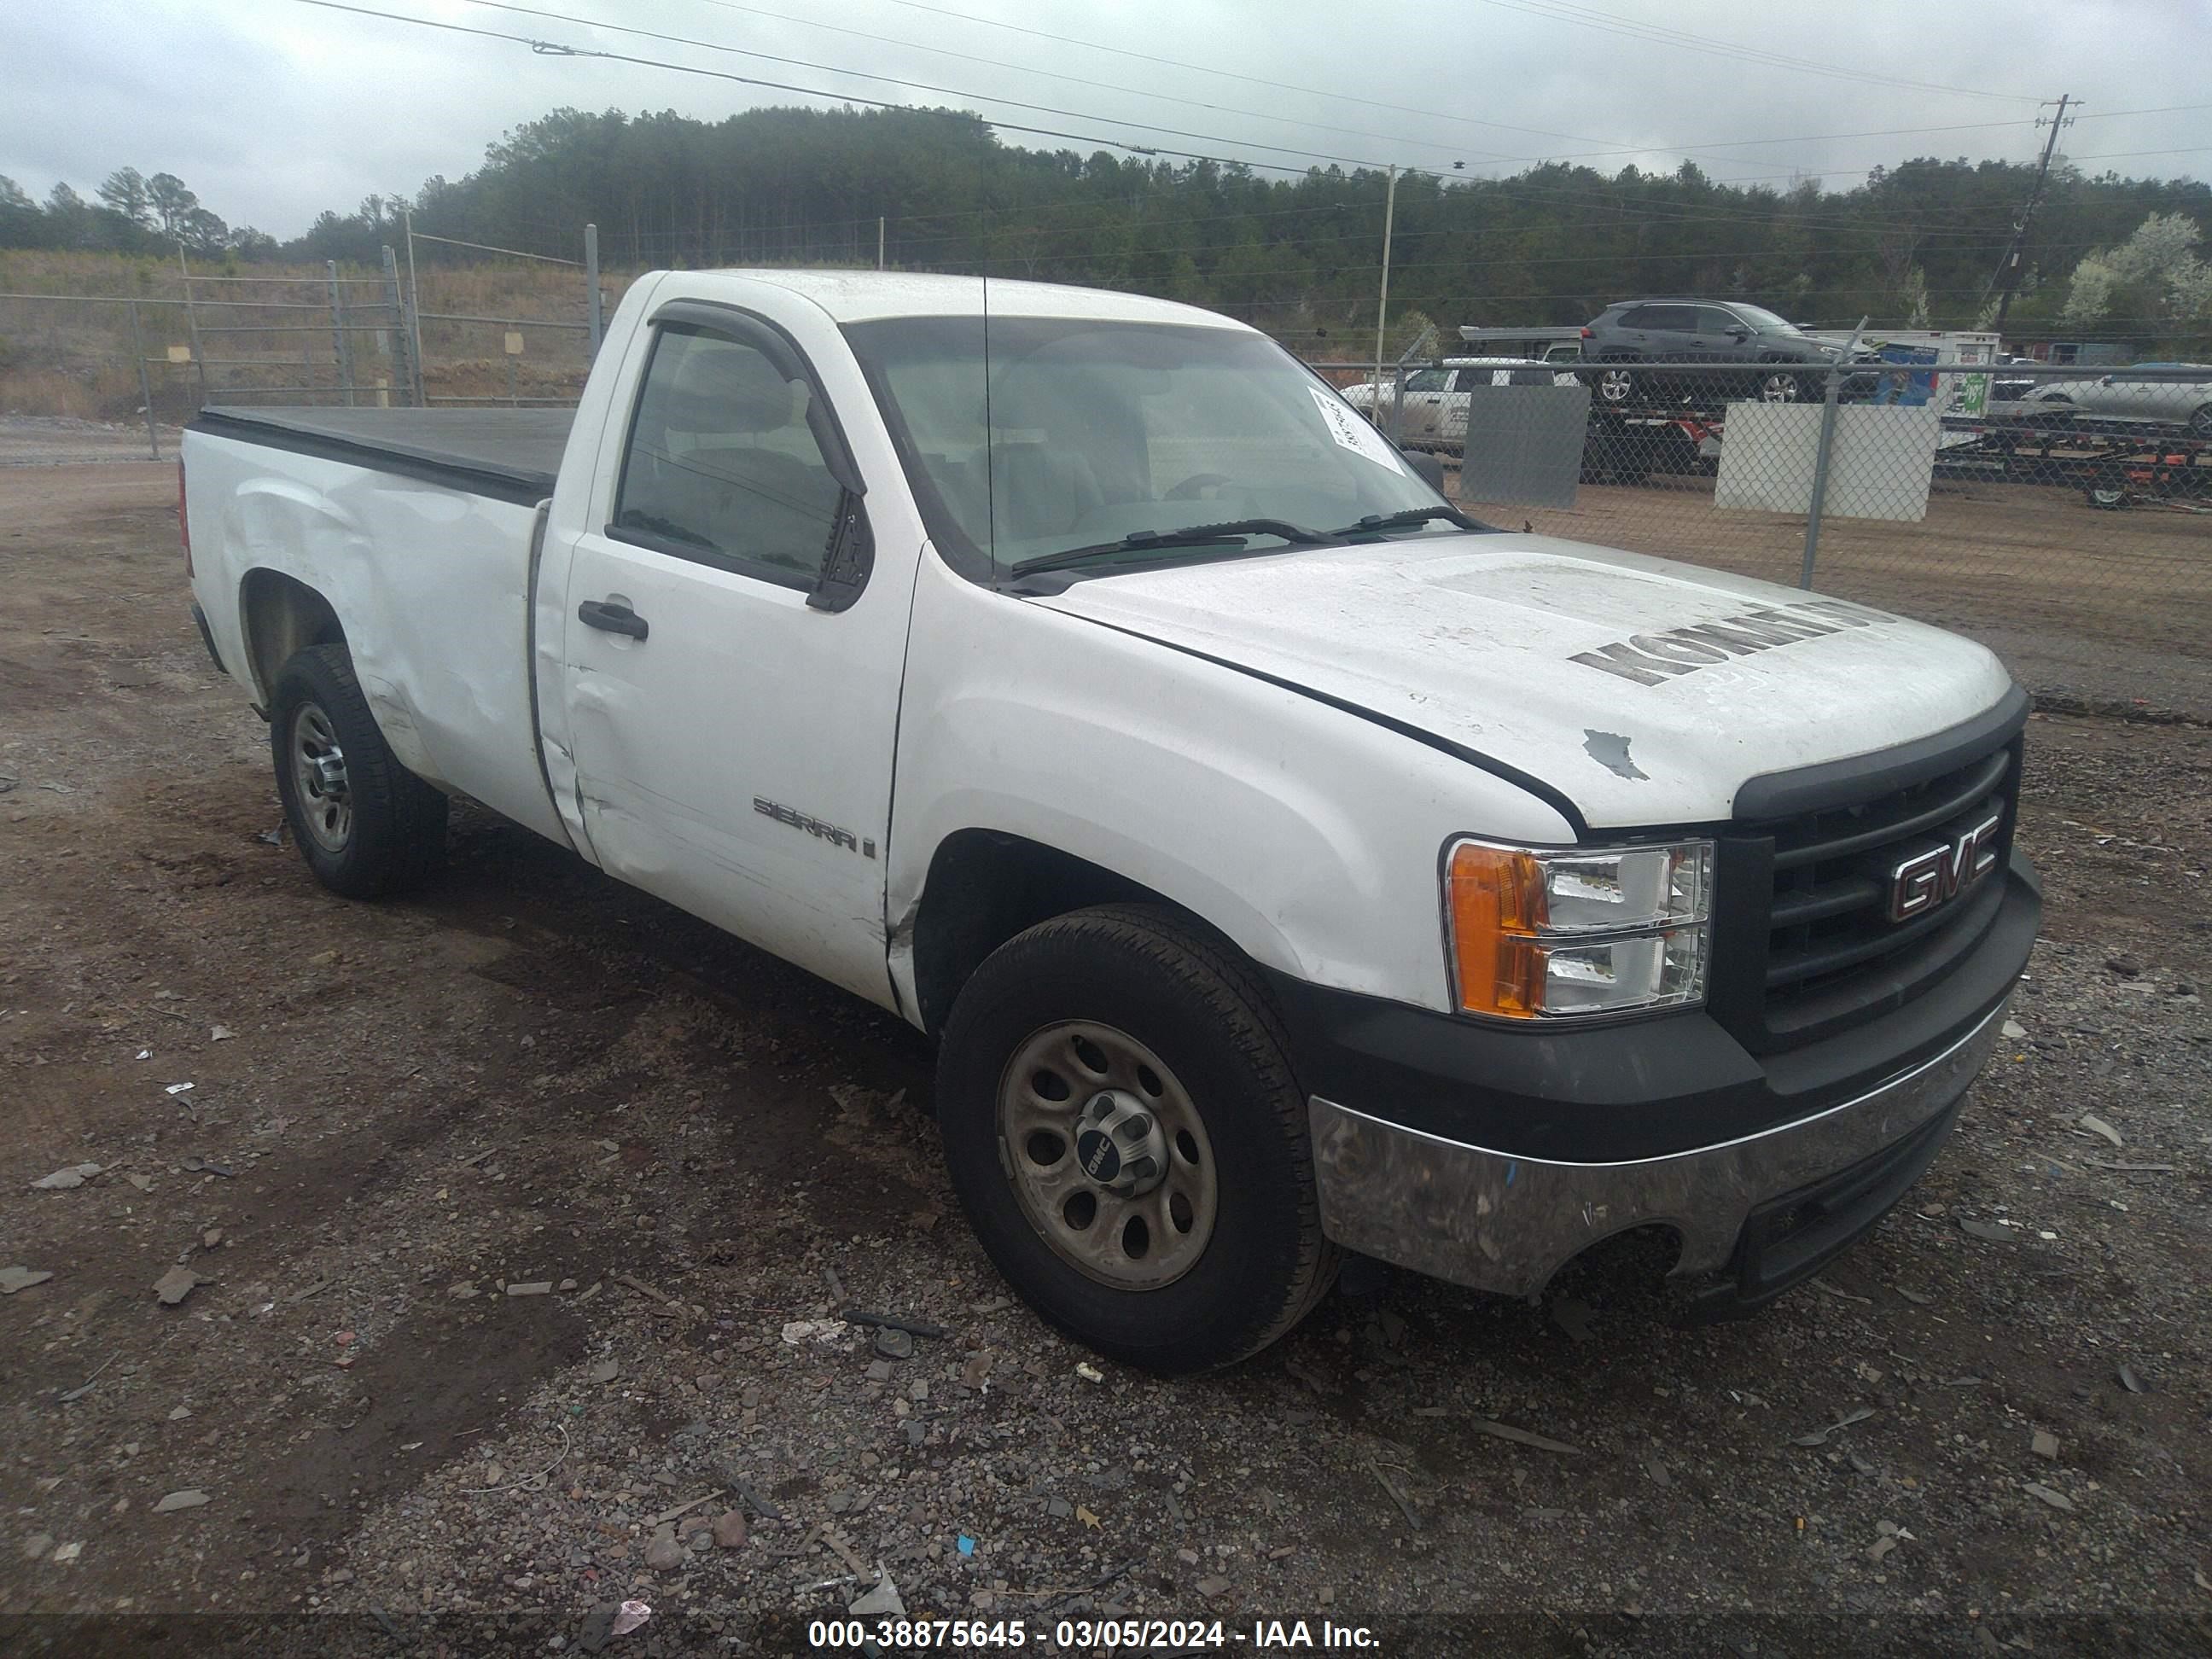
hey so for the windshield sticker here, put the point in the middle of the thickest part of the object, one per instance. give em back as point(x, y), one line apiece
point(1653, 658)
point(1351, 432)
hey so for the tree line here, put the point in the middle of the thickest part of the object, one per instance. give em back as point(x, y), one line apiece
point(129, 213)
point(1916, 244)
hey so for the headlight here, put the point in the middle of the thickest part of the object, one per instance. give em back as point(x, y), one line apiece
point(1581, 930)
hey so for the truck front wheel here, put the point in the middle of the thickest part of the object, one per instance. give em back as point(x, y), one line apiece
point(367, 827)
point(1124, 1131)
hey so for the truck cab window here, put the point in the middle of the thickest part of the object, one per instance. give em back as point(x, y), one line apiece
point(721, 465)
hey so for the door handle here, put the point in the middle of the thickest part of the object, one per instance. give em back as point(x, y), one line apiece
point(611, 617)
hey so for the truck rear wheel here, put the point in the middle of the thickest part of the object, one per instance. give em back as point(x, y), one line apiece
point(367, 827)
point(1123, 1129)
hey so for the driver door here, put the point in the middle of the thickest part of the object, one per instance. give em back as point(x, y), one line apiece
point(732, 716)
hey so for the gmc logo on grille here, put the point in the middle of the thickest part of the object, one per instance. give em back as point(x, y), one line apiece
point(1938, 875)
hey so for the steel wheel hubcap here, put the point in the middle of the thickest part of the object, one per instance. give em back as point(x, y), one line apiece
point(1780, 389)
point(1107, 1155)
point(1613, 385)
point(319, 772)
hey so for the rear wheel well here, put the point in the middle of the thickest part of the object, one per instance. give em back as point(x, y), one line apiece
point(283, 617)
point(984, 887)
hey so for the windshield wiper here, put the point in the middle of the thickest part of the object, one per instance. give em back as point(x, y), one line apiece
point(1230, 534)
point(1410, 517)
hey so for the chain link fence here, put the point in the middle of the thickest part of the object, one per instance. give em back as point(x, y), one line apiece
point(2062, 515)
point(116, 374)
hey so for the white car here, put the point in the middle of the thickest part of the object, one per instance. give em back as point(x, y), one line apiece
point(1283, 863)
point(2172, 397)
point(1434, 416)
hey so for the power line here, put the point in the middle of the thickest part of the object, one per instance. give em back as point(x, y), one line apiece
point(554, 49)
point(1832, 137)
point(1230, 109)
point(1082, 115)
point(1081, 81)
point(1274, 85)
point(908, 81)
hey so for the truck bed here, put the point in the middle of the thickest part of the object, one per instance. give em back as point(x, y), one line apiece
point(512, 454)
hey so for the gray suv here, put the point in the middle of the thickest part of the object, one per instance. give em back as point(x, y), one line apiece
point(1699, 331)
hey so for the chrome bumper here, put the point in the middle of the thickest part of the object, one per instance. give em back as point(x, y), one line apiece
point(1501, 1223)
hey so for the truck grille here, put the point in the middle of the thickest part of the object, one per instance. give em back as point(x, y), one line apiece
point(1833, 956)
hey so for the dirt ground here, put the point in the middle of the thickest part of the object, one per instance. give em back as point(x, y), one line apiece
point(504, 1209)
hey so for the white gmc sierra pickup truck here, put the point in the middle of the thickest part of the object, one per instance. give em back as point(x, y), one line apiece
point(1284, 863)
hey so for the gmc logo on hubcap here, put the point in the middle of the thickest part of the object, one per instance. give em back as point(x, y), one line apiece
point(1938, 875)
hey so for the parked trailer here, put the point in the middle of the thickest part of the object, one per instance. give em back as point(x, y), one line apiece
point(2113, 463)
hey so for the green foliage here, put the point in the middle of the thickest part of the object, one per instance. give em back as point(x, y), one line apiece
point(1298, 255)
point(2155, 274)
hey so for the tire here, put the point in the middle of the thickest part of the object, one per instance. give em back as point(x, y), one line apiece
point(2108, 497)
point(367, 827)
point(1145, 989)
point(1776, 386)
point(2200, 422)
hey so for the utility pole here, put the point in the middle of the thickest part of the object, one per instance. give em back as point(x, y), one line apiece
point(2008, 276)
point(1383, 299)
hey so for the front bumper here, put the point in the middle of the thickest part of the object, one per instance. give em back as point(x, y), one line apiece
point(1499, 1222)
point(1491, 1157)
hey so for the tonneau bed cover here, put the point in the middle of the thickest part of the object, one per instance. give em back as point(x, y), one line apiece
point(513, 454)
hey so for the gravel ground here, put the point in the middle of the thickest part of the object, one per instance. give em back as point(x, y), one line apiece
point(62, 439)
point(515, 1223)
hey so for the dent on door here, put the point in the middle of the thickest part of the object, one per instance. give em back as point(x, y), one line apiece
point(626, 843)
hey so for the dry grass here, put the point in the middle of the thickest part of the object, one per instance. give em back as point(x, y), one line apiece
point(70, 351)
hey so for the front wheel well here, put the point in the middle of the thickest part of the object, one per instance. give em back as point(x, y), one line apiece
point(281, 616)
point(984, 887)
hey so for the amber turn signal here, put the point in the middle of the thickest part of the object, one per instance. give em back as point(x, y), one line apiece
point(1495, 895)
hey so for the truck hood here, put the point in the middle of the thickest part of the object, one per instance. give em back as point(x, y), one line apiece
point(1644, 692)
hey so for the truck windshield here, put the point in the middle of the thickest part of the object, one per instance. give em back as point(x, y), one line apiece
point(1079, 434)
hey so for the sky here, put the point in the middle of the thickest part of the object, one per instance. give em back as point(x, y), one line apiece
point(274, 110)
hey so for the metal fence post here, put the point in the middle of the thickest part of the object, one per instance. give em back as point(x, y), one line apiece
point(1829, 403)
point(192, 324)
point(415, 313)
point(402, 348)
point(339, 342)
point(593, 299)
point(1397, 404)
point(145, 385)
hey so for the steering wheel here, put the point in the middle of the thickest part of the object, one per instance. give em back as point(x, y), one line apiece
point(1201, 487)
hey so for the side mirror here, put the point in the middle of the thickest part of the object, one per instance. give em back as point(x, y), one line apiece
point(1428, 468)
point(1739, 333)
